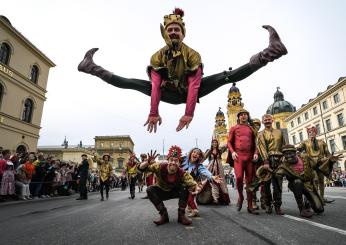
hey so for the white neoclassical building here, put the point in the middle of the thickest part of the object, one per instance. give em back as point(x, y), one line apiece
point(327, 113)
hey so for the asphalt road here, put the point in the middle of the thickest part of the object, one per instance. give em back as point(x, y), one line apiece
point(123, 221)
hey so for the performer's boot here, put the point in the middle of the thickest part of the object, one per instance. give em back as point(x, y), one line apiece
point(274, 51)
point(107, 195)
point(325, 200)
point(278, 211)
point(254, 205)
point(240, 203)
point(304, 210)
point(163, 214)
point(263, 203)
point(306, 213)
point(182, 219)
point(269, 209)
point(250, 208)
point(88, 66)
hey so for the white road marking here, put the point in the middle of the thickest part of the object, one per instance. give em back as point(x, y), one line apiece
point(330, 196)
point(189, 227)
point(338, 197)
point(326, 227)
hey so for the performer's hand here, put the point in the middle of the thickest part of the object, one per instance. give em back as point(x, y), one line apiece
point(217, 179)
point(152, 156)
point(152, 123)
point(234, 156)
point(197, 190)
point(336, 158)
point(184, 121)
point(266, 165)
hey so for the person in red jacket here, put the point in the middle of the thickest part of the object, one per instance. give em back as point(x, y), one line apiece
point(242, 147)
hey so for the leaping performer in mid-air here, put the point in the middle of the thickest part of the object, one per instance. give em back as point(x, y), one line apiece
point(175, 71)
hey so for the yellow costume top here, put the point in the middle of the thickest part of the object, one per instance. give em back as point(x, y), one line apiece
point(319, 153)
point(105, 169)
point(269, 140)
point(176, 64)
point(131, 169)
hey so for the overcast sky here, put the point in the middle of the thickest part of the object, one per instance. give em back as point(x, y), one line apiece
point(225, 33)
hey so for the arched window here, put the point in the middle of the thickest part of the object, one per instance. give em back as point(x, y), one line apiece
point(34, 74)
point(1, 93)
point(28, 109)
point(5, 52)
point(21, 149)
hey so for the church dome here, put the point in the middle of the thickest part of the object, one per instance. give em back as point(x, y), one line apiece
point(4, 18)
point(280, 105)
point(220, 114)
point(234, 89)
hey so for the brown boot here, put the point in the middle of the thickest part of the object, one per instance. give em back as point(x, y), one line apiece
point(278, 211)
point(274, 51)
point(163, 218)
point(182, 219)
point(306, 213)
point(239, 204)
point(252, 211)
point(88, 66)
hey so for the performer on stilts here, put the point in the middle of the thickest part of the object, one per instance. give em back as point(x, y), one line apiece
point(175, 71)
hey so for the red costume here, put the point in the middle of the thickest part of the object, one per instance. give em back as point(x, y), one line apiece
point(242, 140)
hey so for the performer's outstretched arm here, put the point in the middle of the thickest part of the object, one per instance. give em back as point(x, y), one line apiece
point(194, 82)
point(154, 117)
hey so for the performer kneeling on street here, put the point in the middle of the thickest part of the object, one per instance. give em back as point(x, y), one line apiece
point(299, 174)
point(172, 182)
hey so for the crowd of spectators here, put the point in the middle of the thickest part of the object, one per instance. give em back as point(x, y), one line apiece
point(338, 179)
point(32, 175)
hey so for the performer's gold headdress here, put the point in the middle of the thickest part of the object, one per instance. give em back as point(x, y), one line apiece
point(177, 18)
